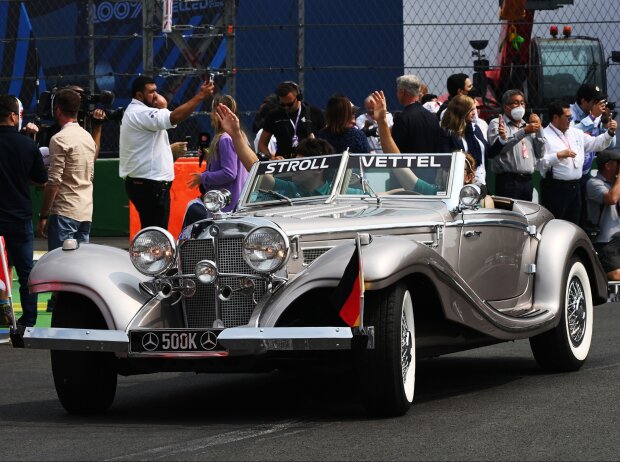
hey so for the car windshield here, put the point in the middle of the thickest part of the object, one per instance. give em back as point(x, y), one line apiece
point(406, 174)
point(367, 175)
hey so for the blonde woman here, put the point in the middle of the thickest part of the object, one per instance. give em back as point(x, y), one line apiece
point(459, 132)
point(224, 169)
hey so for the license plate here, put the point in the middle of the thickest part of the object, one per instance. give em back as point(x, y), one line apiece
point(174, 341)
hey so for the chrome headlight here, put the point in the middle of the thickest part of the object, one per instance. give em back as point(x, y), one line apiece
point(152, 251)
point(217, 199)
point(206, 271)
point(469, 195)
point(265, 249)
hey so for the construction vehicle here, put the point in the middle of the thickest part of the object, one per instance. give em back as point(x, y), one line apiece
point(544, 68)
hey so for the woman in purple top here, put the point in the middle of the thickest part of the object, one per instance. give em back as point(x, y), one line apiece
point(224, 169)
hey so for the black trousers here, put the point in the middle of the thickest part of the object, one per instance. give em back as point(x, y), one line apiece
point(562, 198)
point(151, 199)
point(514, 185)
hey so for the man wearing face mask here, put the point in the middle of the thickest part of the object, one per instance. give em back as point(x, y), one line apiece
point(516, 147)
point(290, 123)
point(146, 158)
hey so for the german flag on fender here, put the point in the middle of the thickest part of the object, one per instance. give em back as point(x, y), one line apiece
point(348, 294)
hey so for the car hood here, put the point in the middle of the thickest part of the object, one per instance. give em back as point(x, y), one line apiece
point(303, 219)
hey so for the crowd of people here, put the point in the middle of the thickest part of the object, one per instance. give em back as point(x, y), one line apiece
point(512, 146)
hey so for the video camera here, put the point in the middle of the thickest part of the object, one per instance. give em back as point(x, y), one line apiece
point(45, 108)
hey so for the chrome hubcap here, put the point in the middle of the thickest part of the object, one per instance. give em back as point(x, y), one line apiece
point(576, 315)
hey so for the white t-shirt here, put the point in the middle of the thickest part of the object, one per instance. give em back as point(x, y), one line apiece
point(272, 145)
point(144, 148)
point(373, 141)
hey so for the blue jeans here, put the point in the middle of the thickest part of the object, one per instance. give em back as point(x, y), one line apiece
point(19, 240)
point(60, 228)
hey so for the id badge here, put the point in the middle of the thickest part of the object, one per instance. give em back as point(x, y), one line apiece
point(295, 141)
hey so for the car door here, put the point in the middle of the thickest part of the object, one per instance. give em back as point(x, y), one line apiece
point(494, 253)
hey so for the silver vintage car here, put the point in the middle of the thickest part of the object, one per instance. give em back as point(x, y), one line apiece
point(430, 272)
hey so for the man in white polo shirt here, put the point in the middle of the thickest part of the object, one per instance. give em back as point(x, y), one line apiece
point(562, 164)
point(146, 160)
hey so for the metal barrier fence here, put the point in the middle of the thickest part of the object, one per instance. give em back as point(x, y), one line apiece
point(351, 47)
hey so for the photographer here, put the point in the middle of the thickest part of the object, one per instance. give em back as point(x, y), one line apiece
point(603, 194)
point(20, 164)
point(368, 125)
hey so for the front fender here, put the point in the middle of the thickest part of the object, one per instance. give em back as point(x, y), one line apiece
point(386, 260)
point(560, 240)
point(101, 273)
point(389, 259)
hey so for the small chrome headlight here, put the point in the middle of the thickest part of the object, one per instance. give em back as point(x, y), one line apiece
point(265, 249)
point(206, 271)
point(470, 195)
point(152, 251)
point(216, 199)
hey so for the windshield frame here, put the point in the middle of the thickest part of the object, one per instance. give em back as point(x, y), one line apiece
point(337, 185)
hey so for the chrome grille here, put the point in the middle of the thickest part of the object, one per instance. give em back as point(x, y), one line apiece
point(312, 254)
point(200, 309)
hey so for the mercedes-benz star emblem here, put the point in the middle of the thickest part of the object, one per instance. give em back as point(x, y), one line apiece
point(150, 342)
point(208, 340)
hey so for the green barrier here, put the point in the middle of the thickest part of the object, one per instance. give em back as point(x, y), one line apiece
point(110, 202)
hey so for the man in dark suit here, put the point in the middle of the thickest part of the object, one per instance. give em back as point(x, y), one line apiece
point(415, 129)
point(20, 164)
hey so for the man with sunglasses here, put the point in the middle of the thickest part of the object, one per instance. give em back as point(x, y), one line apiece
point(562, 164)
point(291, 122)
point(20, 164)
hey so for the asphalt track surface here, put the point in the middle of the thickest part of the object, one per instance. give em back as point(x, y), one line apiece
point(492, 403)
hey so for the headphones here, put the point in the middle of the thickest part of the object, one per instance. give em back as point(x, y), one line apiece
point(293, 85)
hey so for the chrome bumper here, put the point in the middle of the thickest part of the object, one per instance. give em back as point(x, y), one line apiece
point(236, 340)
point(59, 338)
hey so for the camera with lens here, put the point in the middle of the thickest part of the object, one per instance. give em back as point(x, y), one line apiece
point(370, 130)
point(87, 99)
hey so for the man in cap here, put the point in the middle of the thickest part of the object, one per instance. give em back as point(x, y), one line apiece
point(586, 96)
point(590, 101)
point(603, 194)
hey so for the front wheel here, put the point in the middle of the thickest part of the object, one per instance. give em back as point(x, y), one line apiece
point(565, 347)
point(387, 372)
point(85, 381)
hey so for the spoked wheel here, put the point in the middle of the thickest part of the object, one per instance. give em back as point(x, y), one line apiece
point(387, 372)
point(566, 347)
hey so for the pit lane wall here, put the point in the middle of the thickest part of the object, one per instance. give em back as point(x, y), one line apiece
point(111, 212)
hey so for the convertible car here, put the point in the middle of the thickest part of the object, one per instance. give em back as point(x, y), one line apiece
point(374, 260)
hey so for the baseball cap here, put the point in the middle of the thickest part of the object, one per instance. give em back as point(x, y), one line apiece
point(607, 155)
point(589, 92)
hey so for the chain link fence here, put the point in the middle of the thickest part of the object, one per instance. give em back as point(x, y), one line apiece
point(351, 47)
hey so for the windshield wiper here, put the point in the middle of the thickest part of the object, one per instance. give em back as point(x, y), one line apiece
point(366, 185)
point(276, 194)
